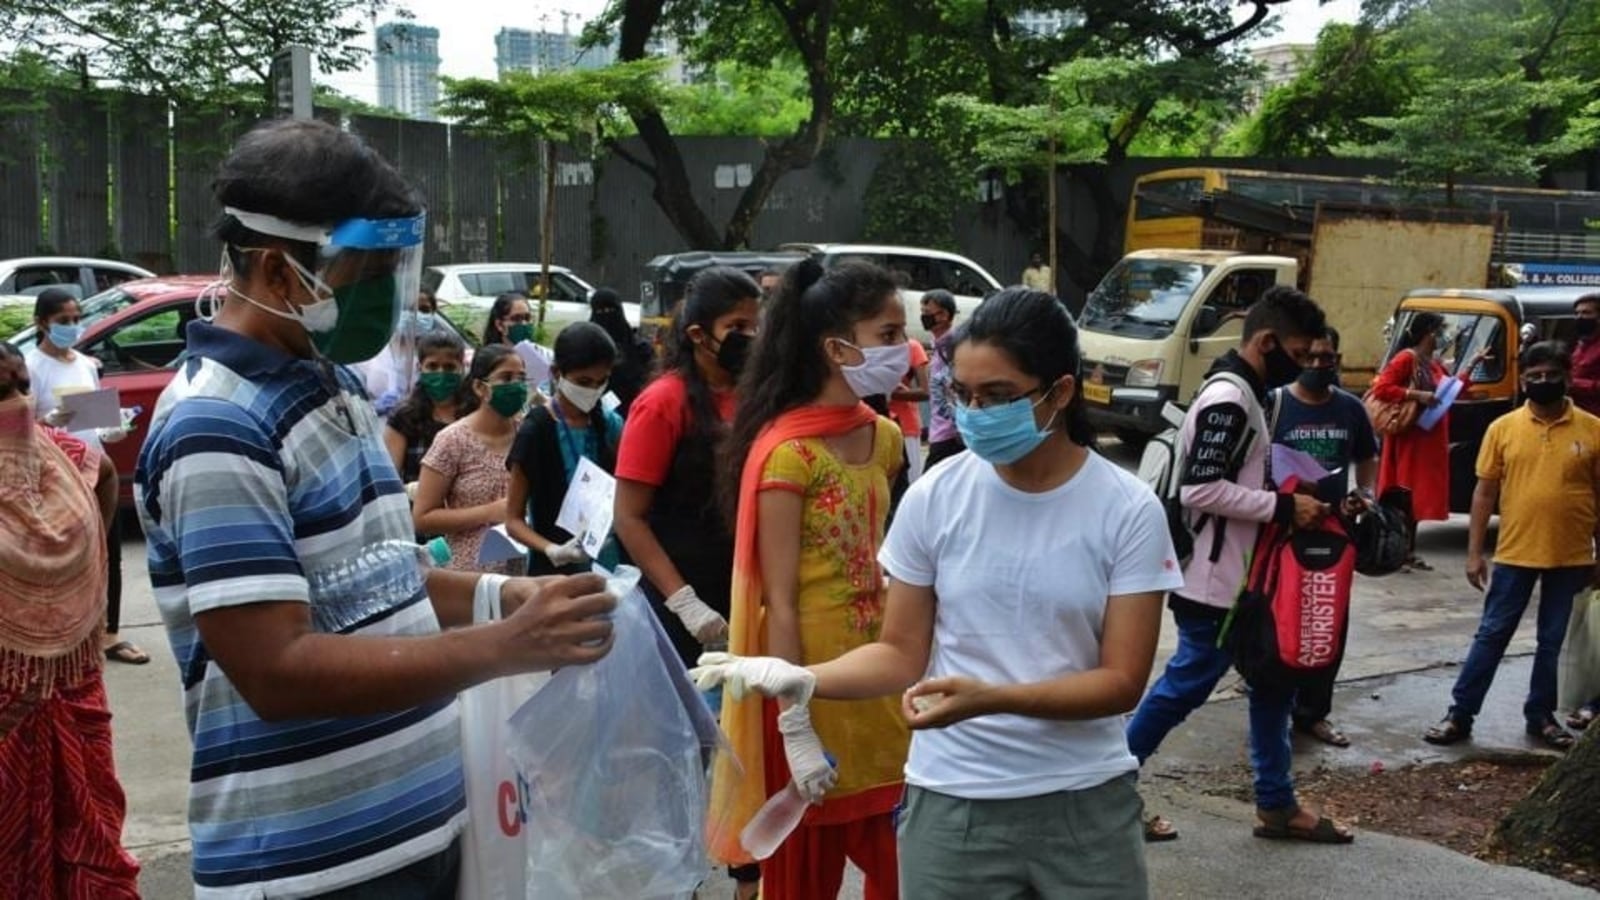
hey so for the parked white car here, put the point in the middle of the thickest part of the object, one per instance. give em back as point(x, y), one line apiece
point(923, 270)
point(475, 285)
point(81, 276)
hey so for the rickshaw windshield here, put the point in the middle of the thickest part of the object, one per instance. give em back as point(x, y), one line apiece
point(1464, 335)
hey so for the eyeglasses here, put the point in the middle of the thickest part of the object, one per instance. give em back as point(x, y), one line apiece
point(1546, 376)
point(1325, 360)
point(958, 395)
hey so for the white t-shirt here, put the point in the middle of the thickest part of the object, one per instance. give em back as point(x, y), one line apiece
point(1022, 582)
point(51, 378)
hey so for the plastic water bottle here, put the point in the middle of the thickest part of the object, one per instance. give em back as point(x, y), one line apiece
point(776, 820)
point(376, 580)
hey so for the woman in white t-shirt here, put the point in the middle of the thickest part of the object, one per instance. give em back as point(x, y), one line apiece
point(55, 369)
point(1021, 624)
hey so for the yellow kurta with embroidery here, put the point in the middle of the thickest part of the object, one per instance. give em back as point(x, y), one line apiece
point(841, 593)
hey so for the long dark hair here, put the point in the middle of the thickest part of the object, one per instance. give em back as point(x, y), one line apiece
point(414, 415)
point(1035, 330)
point(501, 308)
point(709, 296)
point(484, 362)
point(49, 302)
point(787, 368)
point(1421, 325)
point(579, 346)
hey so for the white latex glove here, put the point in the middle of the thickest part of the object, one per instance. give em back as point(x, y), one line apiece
point(808, 763)
point(570, 553)
point(111, 435)
point(58, 418)
point(765, 675)
point(706, 624)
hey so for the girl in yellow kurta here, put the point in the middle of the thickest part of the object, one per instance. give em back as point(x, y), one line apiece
point(815, 466)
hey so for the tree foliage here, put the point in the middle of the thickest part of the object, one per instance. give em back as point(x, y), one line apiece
point(581, 107)
point(189, 50)
point(737, 98)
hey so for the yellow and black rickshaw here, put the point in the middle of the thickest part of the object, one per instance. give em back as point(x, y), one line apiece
point(1505, 321)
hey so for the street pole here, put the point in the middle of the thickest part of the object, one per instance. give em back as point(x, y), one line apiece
point(1050, 176)
point(291, 81)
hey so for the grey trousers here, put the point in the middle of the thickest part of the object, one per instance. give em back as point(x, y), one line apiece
point(1078, 844)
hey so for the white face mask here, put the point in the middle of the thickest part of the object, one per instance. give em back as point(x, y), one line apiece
point(582, 397)
point(317, 317)
point(880, 372)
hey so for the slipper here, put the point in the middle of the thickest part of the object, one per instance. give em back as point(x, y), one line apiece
point(126, 652)
point(1324, 731)
point(1582, 719)
point(1274, 826)
point(1448, 731)
point(1417, 563)
point(1552, 735)
point(1158, 830)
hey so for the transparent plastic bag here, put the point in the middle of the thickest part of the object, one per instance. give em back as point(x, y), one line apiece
point(614, 756)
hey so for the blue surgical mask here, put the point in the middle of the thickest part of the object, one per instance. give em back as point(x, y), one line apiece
point(65, 336)
point(425, 321)
point(1001, 435)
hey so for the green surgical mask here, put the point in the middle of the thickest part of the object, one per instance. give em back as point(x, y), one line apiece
point(367, 316)
point(509, 398)
point(522, 331)
point(440, 386)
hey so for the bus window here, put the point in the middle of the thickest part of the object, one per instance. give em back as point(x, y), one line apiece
point(1168, 198)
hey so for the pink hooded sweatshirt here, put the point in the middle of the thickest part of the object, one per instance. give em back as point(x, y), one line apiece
point(1220, 419)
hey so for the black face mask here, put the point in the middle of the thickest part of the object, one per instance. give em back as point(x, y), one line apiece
point(734, 351)
point(1318, 380)
point(929, 322)
point(1281, 367)
point(1586, 327)
point(1545, 393)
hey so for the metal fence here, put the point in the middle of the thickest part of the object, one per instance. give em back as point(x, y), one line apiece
point(123, 175)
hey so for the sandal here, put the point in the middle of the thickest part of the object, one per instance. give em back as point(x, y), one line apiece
point(1275, 826)
point(1324, 731)
point(1157, 830)
point(126, 652)
point(1583, 718)
point(1416, 563)
point(1552, 735)
point(1448, 731)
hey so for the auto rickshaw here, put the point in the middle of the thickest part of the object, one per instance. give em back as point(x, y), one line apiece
point(1505, 321)
point(666, 277)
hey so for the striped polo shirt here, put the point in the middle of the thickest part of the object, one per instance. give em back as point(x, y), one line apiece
point(263, 476)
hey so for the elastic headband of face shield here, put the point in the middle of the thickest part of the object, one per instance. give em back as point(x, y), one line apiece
point(373, 267)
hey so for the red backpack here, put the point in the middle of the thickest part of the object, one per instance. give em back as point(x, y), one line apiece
point(1289, 620)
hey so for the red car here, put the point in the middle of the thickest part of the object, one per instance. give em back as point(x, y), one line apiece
point(138, 332)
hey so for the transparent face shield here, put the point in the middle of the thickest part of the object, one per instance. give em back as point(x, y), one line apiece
point(372, 268)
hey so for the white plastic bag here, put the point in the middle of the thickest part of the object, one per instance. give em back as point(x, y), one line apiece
point(614, 756)
point(1580, 653)
point(494, 847)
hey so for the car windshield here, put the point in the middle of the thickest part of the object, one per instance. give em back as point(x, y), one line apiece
point(1464, 335)
point(101, 305)
point(1143, 298)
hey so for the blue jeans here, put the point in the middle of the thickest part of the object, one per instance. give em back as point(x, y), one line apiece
point(1190, 677)
point(1510, 589)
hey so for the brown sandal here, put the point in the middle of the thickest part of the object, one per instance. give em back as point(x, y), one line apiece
point(1552, 735)
point(1583, 718)
point(1275, 826)
point(1157, 830)
point(1324, 731)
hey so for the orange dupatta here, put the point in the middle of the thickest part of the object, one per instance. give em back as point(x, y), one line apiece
point(738, 781)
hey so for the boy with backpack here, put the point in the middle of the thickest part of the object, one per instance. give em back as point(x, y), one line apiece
point(1226, 499)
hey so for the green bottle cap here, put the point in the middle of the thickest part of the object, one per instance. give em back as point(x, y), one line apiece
point(438, 552)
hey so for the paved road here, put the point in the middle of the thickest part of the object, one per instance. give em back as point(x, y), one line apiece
point(1402, 623)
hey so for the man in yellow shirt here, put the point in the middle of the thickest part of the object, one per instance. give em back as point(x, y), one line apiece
point(1038, 275)
point(1541, 463)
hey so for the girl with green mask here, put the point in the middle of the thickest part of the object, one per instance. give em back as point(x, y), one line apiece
point(431, 404)
point(464, 482)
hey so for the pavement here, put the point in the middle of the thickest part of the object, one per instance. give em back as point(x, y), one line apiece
point(1407, 633)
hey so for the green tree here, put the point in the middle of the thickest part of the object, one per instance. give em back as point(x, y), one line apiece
point(741, 99)
point(189, 50)
point(1472, 126)
point(531, 115)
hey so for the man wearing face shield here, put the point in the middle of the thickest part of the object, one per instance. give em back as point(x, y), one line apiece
point(318, 674)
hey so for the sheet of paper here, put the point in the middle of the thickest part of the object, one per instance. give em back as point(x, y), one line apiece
point(93, 409)
point(610, 402)
point(1447, 394)
point(498, 546)
point(537, 360)
point(587, 510)
point(1287, 461)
